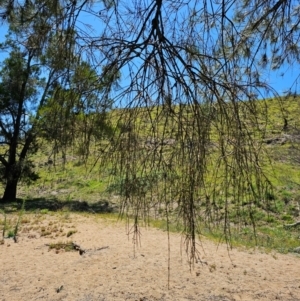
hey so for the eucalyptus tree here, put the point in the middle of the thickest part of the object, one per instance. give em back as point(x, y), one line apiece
point(41, 69)
point(38, 46)
point(79, 112)
point(14, 120)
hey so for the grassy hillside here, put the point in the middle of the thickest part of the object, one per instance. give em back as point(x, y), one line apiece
point(94, 184)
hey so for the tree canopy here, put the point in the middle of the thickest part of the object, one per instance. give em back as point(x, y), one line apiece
point(196, 68)
point(45, 85)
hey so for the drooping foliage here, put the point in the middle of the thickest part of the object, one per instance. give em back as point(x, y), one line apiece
point(191, 71)
point(194, 70)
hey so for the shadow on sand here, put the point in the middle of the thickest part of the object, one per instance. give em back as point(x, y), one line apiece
point(53, 204)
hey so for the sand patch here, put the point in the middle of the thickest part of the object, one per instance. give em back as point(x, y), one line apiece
point(29, 271)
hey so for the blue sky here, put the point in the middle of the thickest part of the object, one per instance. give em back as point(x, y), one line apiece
point(284, 78)
point(281, 80)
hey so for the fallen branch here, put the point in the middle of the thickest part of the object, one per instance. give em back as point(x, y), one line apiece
point(292, 225)
point(78, 248)
point(69, 246)
point(102, 248)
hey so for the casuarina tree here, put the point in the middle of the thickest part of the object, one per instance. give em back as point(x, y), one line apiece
point(195, 69)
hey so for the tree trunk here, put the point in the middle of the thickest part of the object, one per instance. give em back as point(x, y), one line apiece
point(10, 192)
point(13, 170)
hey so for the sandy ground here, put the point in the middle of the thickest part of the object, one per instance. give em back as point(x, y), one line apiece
point(29, 271)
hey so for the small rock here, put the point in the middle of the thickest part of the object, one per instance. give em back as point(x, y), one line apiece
point(296, 250)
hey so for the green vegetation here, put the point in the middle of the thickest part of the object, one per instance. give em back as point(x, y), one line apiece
point(71, 232)
point(157, 118)
point(12, 229)
point(74, 185)
point(47, 93)
point(66, 246)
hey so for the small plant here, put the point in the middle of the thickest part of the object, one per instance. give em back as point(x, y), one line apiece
point(279, 206)
point(212, 268)
point(71, 232)
point(286, 196)
point(69, 197)
point(10, 234)
point(44, 211)
point(67, 246)
point(286, 217)
point(19, 220)
point(270, 219)
point(46, 233)
point(4, 225)
point(13, 233)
